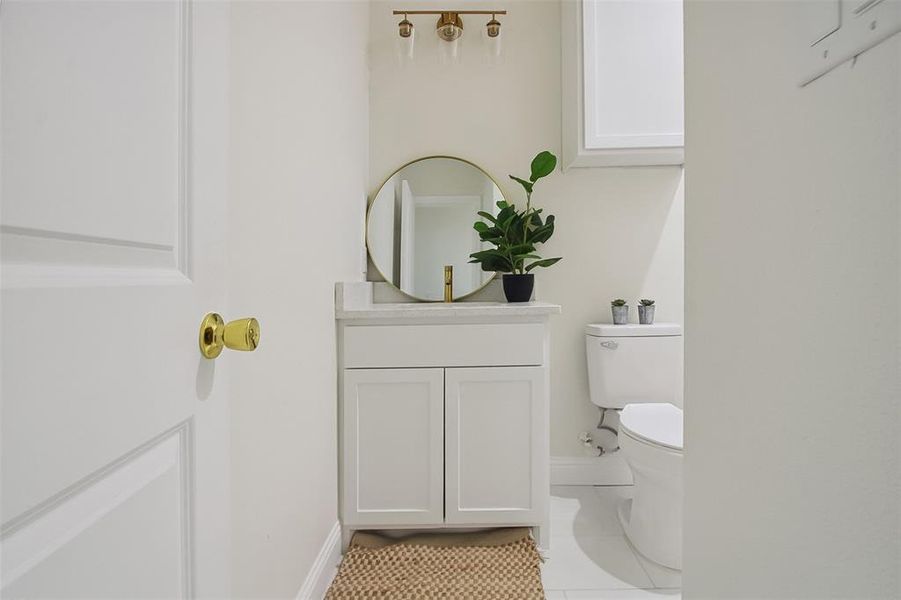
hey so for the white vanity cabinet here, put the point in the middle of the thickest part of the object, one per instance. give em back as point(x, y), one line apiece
point(443, 415)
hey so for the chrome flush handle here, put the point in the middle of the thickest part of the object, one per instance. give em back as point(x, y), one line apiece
point(611, 345)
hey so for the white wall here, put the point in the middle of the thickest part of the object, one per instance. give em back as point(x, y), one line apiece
point(792, 313)
point(444, 177)
point(299, 170)
point(619, 230)
point(381, 227)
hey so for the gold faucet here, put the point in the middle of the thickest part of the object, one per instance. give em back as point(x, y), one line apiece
point(448, 283)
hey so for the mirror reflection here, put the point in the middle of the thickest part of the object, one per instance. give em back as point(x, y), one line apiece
point(421, 220)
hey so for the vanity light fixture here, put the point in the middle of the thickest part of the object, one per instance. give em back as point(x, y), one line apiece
point(450, 24)
point(493, 27)
point(405, 28)
point(493, 39)
point(405, 41)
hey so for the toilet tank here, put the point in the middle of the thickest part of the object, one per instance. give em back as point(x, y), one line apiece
point(630, 364)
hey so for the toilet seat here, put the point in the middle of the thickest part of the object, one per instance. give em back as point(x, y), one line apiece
point(658, 424)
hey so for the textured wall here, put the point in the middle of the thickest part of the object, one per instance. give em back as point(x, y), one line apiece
point(299, 167)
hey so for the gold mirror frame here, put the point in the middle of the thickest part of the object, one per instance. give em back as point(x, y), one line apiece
point(369, 213)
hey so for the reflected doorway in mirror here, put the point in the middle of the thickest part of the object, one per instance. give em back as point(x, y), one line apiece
point(421, 219)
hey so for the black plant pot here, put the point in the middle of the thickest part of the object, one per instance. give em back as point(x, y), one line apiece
point(518, 287)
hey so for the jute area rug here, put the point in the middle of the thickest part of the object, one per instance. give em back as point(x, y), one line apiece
point(502, 564)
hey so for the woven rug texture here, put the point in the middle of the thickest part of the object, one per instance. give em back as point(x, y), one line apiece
point(499, 565)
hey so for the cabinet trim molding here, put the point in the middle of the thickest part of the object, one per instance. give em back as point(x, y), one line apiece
point(496, 458)
point(393, 447)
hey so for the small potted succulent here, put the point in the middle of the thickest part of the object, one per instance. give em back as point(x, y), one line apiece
point(646, 311)
point(620, 311)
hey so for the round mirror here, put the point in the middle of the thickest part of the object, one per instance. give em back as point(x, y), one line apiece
point(421, 220)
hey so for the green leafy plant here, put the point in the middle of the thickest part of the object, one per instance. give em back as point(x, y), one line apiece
point(513, 233)
point(646, 302)
point(618, 302)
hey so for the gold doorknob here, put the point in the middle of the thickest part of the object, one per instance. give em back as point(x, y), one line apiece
point(216, 334)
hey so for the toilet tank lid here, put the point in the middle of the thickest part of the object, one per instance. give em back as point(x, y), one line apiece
point(633, 330)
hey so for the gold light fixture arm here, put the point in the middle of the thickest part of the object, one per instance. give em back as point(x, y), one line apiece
point(457, 12)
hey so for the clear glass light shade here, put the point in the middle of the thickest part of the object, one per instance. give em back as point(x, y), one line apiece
point(494, 47)
point(450, 52)
point(492, 37)
point(404, 47)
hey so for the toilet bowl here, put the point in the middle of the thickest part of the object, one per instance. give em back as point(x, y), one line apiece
point(636, 369)
point(650, 439)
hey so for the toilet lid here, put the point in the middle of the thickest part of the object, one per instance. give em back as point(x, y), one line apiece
point(657, 423)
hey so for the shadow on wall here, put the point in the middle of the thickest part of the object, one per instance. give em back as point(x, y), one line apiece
point(620, 232)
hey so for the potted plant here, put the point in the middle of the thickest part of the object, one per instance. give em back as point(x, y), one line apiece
point(646, 311)
point(620, 311)
point(515, 235)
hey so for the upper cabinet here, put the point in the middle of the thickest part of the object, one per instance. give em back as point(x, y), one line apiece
point(622, 83)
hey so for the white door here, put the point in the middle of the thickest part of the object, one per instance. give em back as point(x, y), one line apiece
point(495, 445)
point(445, 236)
point(114, 430)
point(393, 442)
point(407, 236)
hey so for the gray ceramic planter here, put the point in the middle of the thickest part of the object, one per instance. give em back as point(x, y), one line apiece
point(620, 315)
point(646, 315)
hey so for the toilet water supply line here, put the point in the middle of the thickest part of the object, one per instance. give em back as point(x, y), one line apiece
point(588, 442)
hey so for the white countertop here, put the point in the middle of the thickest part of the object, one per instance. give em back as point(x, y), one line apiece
point(354, 301)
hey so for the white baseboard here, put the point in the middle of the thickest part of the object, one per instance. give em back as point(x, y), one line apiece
point(324, 567)
point(590, 470)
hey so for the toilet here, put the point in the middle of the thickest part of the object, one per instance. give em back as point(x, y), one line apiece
point(637, 369)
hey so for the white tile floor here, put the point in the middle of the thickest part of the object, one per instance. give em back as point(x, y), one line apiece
point(590, 557)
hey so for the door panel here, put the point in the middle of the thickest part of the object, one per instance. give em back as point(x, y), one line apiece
point(100, 528)
point(494, 444)
point(393, 446)
point(94, 150)
point(114, 158)
point(407, 235)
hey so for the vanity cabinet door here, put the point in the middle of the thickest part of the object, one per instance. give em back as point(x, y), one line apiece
point(393, 446)
point(496, 445)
